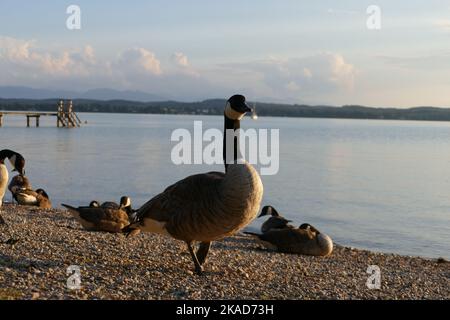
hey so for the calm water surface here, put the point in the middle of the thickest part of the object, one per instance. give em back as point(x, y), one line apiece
point(380, 185)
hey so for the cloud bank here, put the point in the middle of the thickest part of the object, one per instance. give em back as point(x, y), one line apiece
point(296, 79)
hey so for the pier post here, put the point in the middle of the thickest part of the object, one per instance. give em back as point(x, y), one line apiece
point(1, 120)
point(37, 121)
point(28, 121)
point(60, 114)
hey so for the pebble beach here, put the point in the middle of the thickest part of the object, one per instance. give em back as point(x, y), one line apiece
point(37, 247)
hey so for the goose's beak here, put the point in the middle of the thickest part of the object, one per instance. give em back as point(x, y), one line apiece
point(247, 108)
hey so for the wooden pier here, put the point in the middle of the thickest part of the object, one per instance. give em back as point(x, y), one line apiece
point(65, 116)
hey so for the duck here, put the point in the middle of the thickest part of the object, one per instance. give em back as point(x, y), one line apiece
point(276, 221)
point(305, 239)
point(18, 163)
point(29, 197)
point(105, 217)
point(208, 206)
point(19, 182)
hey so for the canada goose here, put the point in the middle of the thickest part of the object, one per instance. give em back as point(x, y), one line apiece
point(38, 198)
point(275, 221)
point(209, 206)
point(304, 240)
point(16, 160)
point(18, 183)
point(4, 176)
point(18, 163)
point(124, 204)
point(3, 182)
point(99, 218)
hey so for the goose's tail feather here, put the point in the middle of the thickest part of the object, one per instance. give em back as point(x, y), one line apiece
point(68, 207)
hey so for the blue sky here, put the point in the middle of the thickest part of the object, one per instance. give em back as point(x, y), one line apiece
point(289, 51)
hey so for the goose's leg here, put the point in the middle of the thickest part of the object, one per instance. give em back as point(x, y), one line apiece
point(202, 251)
point(198, 267)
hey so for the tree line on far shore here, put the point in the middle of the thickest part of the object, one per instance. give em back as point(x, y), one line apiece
point(215, 107)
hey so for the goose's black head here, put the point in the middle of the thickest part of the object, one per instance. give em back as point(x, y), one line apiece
point(94, 204)
point(269, 210)
point(19, 164)
point(16, 160)
point(125, 202)
point(236, 107)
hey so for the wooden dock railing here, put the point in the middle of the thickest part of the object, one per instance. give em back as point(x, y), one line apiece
point(65, 116)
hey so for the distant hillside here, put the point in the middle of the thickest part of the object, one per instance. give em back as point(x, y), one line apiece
point(12, 92)
point(215, 107)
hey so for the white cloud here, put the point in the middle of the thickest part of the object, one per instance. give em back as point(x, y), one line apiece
point(443, 24)
point(21, 58)
point(295, 79)
point(180, 59)
point(139, 60)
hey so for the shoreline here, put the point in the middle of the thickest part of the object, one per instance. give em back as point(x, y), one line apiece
point(150, 266)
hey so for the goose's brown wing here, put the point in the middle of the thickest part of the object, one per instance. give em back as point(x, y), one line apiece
point(184, 200)
point(110, 205)
point(98, 214)
point(101, 219)
point(275, 223)
point(288, 240)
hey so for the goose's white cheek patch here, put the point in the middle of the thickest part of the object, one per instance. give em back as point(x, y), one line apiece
point(12, 160)
point(232, 114)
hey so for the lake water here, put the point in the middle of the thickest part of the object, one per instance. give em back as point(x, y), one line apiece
point(380, 185)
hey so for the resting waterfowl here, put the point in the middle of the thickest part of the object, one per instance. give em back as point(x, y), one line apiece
point(19, 182)
point(38, 198)
point(275, 221)
point(18, 163)
point(305, 240)
point(209, 206)
point(124, 204)
point(99, 218)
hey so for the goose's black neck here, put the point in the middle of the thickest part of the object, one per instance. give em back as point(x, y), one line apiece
point(234, 125)
point(6, 154)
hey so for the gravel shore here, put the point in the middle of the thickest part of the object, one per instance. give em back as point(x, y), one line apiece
point(38, 246)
